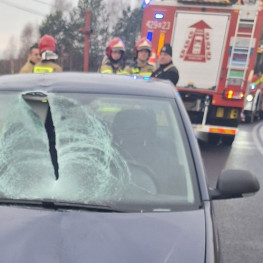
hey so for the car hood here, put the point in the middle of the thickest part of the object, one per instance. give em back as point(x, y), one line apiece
point(31, 235)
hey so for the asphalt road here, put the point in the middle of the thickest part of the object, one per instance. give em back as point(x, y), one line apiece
point(240, 221)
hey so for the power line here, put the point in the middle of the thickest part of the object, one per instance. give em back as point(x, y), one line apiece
point(41, 2)
point(22, 8)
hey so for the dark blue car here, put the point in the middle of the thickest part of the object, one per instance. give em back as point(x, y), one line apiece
point(104, 168)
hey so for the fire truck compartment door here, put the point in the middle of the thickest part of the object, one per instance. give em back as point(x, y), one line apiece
point(198, 47)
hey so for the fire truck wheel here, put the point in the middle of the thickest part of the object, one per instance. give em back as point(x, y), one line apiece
point(228, 140)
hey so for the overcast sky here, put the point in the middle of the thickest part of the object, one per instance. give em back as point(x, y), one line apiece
point(15, 14)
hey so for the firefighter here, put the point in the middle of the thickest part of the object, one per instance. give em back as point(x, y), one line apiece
point(48, 49)
point(33, 57)
point(142, 53)
point(113, 62)
point(166, 70)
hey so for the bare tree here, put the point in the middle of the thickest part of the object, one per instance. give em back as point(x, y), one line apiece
point(62, 6)
point(115, 8)
point(10, 53)
point(136, 3)
point(28, 37)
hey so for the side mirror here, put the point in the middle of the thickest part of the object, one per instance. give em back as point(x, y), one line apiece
point(235, 184)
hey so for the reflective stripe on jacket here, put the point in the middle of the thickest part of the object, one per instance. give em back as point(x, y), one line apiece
point(47, 67)
point(146, 70)
point(109, 68)
point(39, 69)
point(258, 81)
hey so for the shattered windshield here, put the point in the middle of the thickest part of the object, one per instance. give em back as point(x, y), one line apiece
point(99, 149)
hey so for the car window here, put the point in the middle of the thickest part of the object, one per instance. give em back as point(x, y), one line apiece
point(127, 151)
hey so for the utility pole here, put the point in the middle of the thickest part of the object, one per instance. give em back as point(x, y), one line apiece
point(86, 31)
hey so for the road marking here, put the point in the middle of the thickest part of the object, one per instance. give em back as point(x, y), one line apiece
point(244, 145)
point(257, 134)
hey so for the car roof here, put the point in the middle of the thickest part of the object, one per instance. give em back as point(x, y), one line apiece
point(88, 83)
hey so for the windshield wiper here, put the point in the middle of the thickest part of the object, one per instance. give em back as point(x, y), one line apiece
point(58, 205)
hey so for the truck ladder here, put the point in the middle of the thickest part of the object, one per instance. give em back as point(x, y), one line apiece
point(242, 44)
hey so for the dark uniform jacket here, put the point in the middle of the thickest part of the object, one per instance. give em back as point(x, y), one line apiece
point(167, 71)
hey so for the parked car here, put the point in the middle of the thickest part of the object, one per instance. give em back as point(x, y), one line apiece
point(104, 168)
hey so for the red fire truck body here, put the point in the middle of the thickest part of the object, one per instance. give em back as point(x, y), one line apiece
point(214, 50)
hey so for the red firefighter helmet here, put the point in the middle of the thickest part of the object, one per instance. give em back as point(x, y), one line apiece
point(142, 44)
point(115, 44)
point(47, 42)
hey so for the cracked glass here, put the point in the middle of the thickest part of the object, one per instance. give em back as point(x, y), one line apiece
point(99, 149)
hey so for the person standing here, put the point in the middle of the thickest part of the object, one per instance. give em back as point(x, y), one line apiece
point(48, 49)
point(113, 62)
point(33, 57)
point(142, 53)
point(166, 70)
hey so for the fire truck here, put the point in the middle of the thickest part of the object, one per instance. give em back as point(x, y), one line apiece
point(214, 48)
